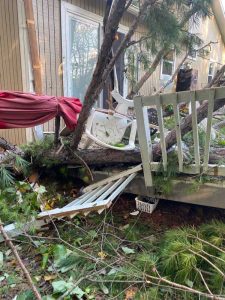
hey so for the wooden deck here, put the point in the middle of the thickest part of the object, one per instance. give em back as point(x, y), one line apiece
point(183, 190)
point(201, 164)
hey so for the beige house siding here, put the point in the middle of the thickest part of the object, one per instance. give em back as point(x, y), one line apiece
point(48, 27)
point(208, 32)
point(10, 61)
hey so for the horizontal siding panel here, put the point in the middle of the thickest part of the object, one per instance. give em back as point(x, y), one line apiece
point(10, 61)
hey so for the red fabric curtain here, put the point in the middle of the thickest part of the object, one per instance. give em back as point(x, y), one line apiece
point(23, 110)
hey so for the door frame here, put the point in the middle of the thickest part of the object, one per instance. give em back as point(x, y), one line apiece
point(67, 10)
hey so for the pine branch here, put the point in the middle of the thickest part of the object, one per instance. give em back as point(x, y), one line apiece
point(21, 264)
point(142, 39)
point(161, 53)
point(209, 262)
point(183, 287)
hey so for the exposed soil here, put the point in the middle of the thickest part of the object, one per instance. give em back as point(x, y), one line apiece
point(168, 214)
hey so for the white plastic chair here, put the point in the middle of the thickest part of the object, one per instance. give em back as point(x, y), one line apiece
point(107, 128)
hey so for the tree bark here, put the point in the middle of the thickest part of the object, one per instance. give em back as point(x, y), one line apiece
point(103, 69)
point(108, 157)
point(97, 83)
point(20, 263)
point(5, 145)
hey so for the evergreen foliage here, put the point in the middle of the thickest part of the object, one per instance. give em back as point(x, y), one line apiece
point(167, 23)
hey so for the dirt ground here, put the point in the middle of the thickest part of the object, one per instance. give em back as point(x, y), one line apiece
point(168, 214)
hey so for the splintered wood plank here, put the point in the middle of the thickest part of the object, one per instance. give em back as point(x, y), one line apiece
point(113, 178)
point(178, 133)
point(144, 137)
point(195, 130)
point(211, 94)
point(162, 131)
point(95, 194)
point(121, 188)
point(63, 212)
point(102, 202)
point(91, 196)
point(110, 190)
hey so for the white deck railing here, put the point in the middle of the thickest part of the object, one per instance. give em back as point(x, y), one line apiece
point(159, 100)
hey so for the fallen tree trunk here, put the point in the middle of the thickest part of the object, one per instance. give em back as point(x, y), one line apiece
point(6, 146)
point(108, 157)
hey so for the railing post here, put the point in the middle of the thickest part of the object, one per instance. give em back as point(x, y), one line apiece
point(195, 130)
point(144, 138)
point(162, 131)
point(209, 128)
point(178, 133)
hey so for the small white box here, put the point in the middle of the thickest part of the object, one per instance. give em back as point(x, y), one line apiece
point(147, 205)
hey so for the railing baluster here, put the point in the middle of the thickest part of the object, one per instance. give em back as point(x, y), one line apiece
point(195, 130)
point(144, 138)
point(162, 131)
point(178, 133)
point(209, 129)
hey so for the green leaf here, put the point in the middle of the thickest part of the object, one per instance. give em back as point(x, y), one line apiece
point(113, 271)
point(78, 292)
point(48, 297)
point(45, 257)
point(127, 250)
point(1, 259)
point(59, 252)
point(92, 233)
point(27, 295)
point(61, 286)
point(41, 189)
point(189, 283)
point(104, 289)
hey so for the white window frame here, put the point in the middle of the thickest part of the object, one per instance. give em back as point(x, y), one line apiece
point(214, 70)
point(162, 76)
point(193, 57)
point(192, 30)
point(68, 10)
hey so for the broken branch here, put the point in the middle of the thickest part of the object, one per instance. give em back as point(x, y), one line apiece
point(21, 264)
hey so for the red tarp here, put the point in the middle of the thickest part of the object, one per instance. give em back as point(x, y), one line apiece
point(23, 110)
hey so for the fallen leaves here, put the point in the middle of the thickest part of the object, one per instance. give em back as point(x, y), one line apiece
point(102, 255)
point(131, 293)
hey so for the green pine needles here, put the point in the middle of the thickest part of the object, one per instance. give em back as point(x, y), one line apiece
point(195, 257)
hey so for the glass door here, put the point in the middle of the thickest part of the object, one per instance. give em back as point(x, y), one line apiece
point(82, 52)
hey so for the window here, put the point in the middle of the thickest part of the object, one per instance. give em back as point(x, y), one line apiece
point(192, 54)
point(81, 39)
point(193, 29)
point(80, 46)
point(167, 67)
point(83, 53)
point(211, 71)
